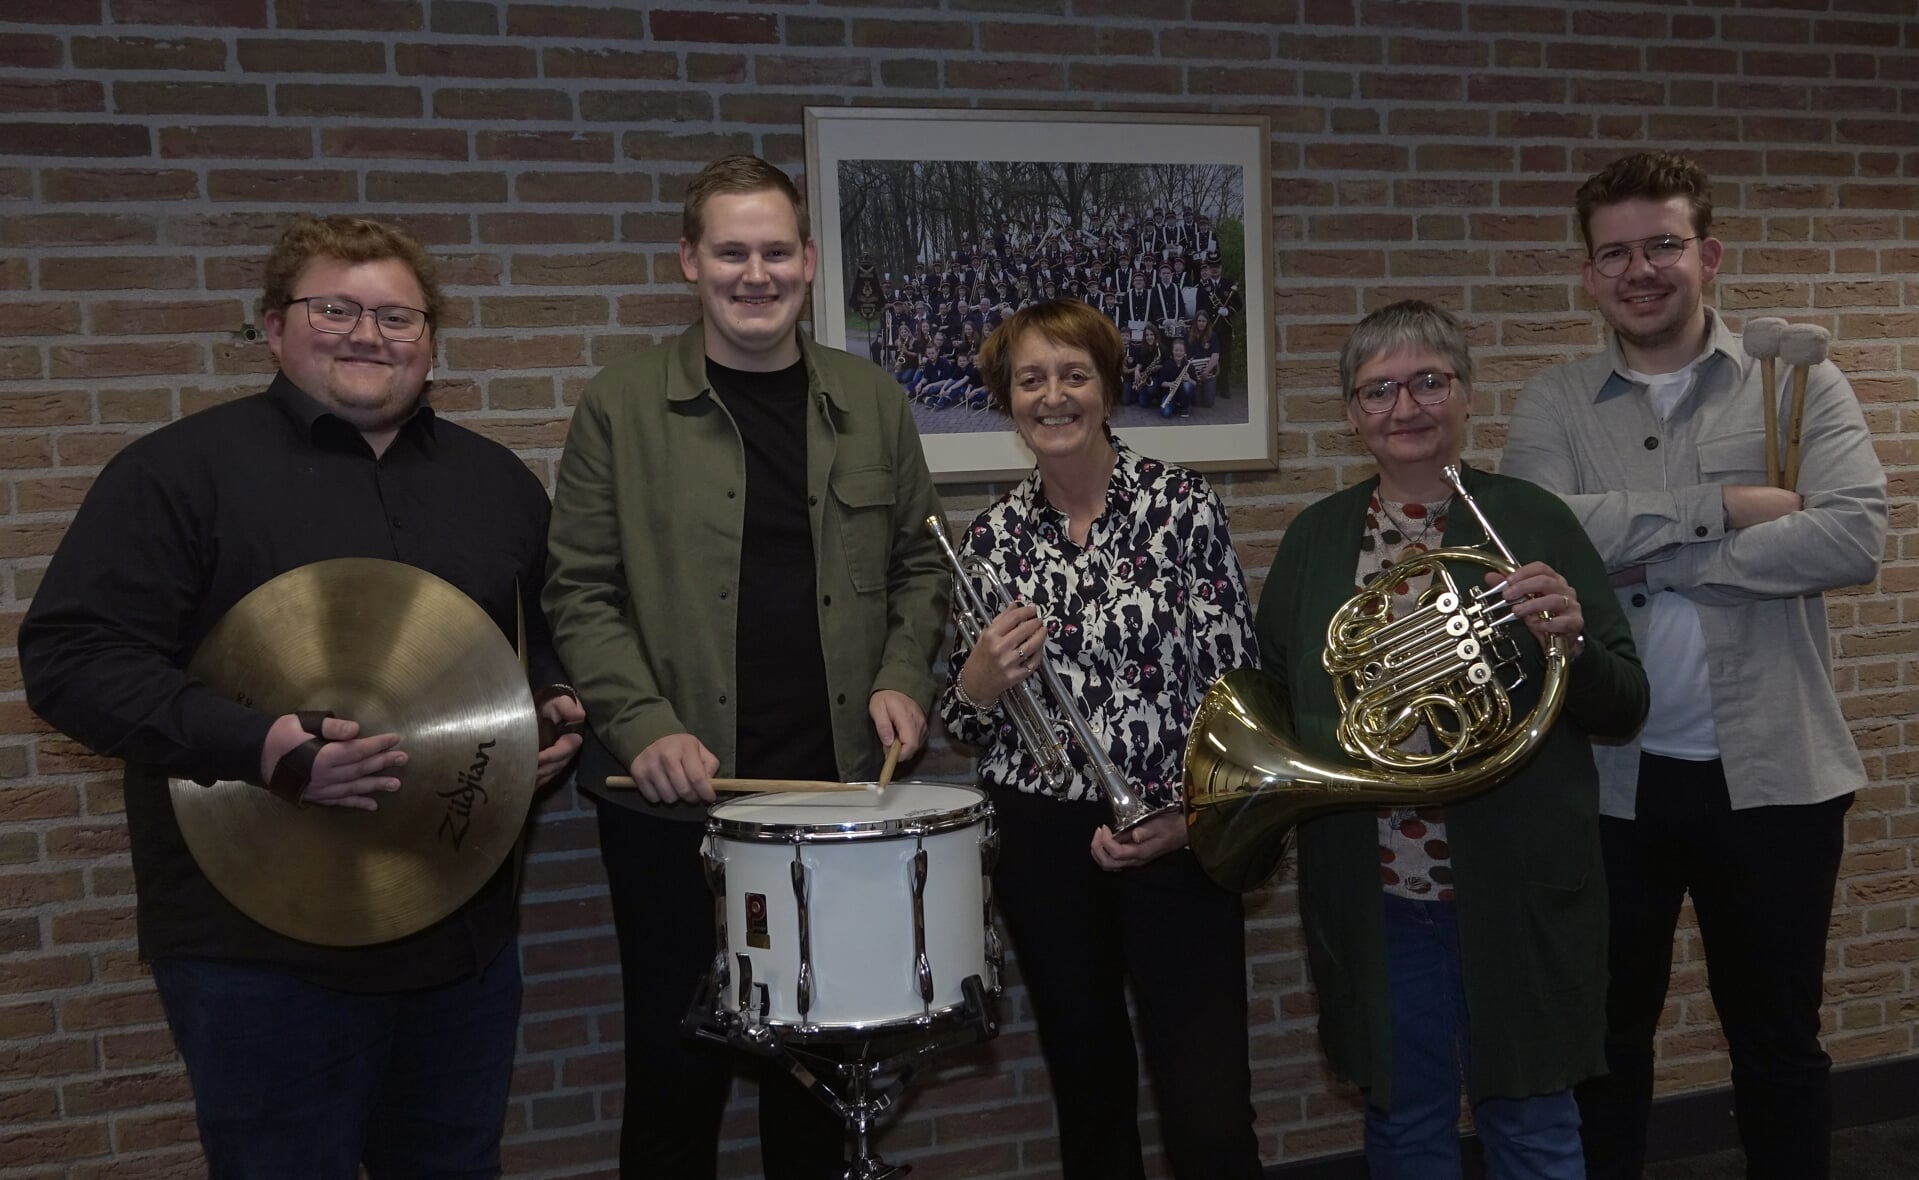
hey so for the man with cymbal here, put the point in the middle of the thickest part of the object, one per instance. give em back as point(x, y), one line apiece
point(742, 583)
point(1736, 790)
point(305, 1059)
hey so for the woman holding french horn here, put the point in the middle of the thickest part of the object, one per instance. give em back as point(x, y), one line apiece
point(1463, 940)
point(1122, 596)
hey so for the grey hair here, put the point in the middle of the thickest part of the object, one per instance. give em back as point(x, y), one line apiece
point(1410, 324)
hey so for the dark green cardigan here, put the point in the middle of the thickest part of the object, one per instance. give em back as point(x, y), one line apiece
point(1529, 883)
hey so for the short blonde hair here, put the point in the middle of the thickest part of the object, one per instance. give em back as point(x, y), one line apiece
point(739, 175)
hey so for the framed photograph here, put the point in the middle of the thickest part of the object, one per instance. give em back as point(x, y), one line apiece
point(935, 225)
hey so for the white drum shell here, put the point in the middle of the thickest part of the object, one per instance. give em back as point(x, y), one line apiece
point(859, 886)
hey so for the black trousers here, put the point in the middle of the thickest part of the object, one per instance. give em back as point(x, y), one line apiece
point(675, 1088)
point(1761, 881)
point(1080, 934)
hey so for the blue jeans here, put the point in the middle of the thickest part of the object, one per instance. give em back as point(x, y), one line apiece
point(295, 1080)
point(1533, 1138)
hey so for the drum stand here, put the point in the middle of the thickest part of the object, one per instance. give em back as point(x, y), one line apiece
point(867, 1075)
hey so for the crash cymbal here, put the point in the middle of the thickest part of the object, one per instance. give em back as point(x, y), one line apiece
point(399, 651)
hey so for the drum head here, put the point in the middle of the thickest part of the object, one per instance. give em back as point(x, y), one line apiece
point(907, 809)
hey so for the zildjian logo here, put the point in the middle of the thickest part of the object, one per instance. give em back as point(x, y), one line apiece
point(463, 796)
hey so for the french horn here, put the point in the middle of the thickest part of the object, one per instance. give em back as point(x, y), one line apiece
point(1450, 665)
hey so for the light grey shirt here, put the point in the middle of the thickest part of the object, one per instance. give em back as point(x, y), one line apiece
point(1649, 493)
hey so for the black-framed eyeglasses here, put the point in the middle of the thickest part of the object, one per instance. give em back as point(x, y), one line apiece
point(338, 315)
point(1428, 389)
point(1661, 250)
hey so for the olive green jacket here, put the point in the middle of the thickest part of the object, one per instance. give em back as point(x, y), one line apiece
point(644, 551)
point(1529, 882)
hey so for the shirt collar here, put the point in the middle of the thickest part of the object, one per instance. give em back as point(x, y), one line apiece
point(689, 363)
point(306, 413)
point(1719, 342)
point(1122, 488)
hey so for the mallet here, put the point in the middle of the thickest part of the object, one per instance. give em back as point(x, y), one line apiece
point(1761, 340)
point(1802, 346)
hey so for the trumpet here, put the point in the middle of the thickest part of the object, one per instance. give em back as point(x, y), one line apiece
point(981, 595)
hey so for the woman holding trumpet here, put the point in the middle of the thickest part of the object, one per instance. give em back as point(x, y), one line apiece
point(1466, 940)
point(1121, 588)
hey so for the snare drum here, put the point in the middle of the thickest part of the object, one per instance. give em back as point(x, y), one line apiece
point(837, 919)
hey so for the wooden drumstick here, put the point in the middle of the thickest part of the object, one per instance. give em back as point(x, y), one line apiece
point(892, 760)
point(785, 786)
point(1761, 340)
point(1802, 346)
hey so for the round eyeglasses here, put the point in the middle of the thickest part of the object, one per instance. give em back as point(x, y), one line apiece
point(1661, 250)
point(332, 313)
point(1428, 389)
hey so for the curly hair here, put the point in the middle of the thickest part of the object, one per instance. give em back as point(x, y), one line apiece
point(348, 239)
point(1652, 176)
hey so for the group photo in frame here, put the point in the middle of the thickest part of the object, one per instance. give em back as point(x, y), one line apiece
point(935, 225)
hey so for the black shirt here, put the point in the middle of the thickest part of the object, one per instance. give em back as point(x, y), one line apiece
point(184, 523)
point(784, 723)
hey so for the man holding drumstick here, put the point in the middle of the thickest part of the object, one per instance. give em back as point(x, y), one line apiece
point(743, 584)
point(1737, 789)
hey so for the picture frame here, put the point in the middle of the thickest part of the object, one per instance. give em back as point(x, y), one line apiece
point(919, 214)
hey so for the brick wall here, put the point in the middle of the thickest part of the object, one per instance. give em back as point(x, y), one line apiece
point(150, 149)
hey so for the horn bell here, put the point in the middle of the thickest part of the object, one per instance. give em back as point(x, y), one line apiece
point(1248, 782)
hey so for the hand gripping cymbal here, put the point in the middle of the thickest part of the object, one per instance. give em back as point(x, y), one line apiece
point(399, 651)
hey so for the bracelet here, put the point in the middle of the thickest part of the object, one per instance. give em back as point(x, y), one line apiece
point(550, 731)
point(295, 769)
point(959, 690)
point(553, 692)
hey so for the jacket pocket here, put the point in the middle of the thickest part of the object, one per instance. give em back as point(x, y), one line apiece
point(1737, 457)
point(864, 499)
point(1566, 932)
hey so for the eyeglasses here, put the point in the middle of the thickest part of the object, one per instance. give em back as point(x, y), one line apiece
point(331, 313)
point(1661, 250)
point(1428, 389)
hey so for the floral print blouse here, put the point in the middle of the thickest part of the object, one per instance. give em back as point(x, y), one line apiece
point(1140, 622)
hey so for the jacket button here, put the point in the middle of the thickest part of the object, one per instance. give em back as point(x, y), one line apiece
point(722, 698)
point(1700, 531)
point(1652, 444)
point(826, 600)
point(1639, 600)
point(723, 595)
point(842, 698)
point(812, 501)
point(731, 493)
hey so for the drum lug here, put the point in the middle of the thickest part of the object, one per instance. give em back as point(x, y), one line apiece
point(715, 866)
point(753, 1023)
point(979, 1006)
point(989, 857)
point(922, 969)
point(804, 991)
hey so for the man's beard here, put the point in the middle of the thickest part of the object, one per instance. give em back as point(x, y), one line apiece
point(1669, 332)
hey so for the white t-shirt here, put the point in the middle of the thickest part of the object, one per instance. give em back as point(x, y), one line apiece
point(1679, 724)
